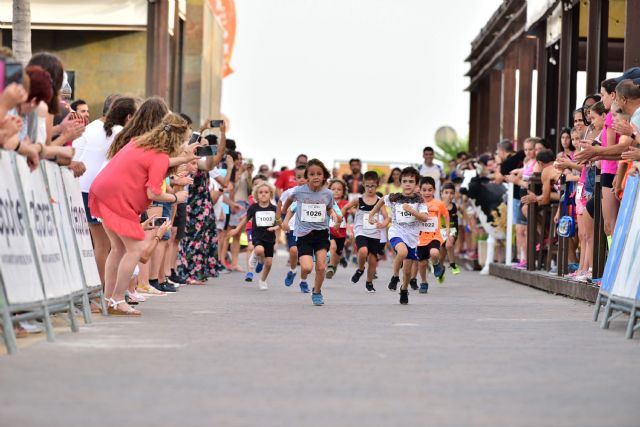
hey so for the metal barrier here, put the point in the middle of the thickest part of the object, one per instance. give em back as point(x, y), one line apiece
point(620, 289)
point(42, 271)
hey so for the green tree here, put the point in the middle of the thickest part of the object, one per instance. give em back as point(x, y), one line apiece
point(448, 145)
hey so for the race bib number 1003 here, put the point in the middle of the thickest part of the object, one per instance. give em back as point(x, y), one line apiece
point(265, 219)
point(313, 212)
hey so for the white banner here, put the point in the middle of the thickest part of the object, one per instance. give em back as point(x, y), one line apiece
point(63, 224)
point(17, 261)
point(47, 245)
point(81, 227)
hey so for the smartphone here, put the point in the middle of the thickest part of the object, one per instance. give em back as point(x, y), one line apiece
point(211, 139)
point(215, 123)
point(10, 72)
point(195, 136)
point(209, 150)
point(159, 221)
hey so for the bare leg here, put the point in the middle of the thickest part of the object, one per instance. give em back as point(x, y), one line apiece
point(401, 255)
point(101, 247)
point(235, 252)
point(321, 267)
point(112, 262)
point(268, 262)
point(363, 254)
point(333, 250)
point(610, 206)
point(293, 257)
point(407, 271)
point(306, 266)
point(372, 266)
point(422, 267)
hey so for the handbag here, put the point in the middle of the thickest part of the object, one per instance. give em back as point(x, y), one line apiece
point(567, 223)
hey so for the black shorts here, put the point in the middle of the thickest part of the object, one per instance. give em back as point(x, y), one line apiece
point(180, 221)
point(372, 245)
point(313, 242)
point(424, 251)
point(339, 244)
point(606, 179)
point(268, 247)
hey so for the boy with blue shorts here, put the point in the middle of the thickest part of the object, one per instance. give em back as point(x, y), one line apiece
point(407, 212)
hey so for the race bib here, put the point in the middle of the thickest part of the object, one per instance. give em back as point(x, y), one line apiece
point(403, 217)
point(430, 225)
point(579, 191)
point(366, 225)
point(313, 212)
point(265, 219)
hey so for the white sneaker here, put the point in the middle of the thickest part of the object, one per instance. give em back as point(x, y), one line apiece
point(263, 285)
point(253, 260)
point(31, 326)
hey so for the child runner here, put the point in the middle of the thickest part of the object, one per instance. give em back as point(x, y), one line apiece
point(252, 260)
point(262, 215)
point(338, 235)
point(315, 203)
point(448, 194)
point(367, 234)
point(291, 238)
point(430, 237)
point(407, 211)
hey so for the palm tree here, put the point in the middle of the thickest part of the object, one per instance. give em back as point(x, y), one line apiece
point(21, 43)
point(448, 145)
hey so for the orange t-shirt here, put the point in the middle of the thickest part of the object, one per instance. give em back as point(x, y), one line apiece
point(430, 230)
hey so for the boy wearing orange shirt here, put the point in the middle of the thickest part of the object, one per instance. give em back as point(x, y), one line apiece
point(430, 236)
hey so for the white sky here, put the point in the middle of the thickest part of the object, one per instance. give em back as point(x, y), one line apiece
point(349, 78)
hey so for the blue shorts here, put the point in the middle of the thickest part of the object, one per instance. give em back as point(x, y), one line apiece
point(292, 241)
point(518, 216)
point(411, 255)
point(90, 219)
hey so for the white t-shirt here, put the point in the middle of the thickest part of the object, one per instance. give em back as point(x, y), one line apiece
point(93, 145)
point(404, 225)
point(283, 198)
point(436, 172)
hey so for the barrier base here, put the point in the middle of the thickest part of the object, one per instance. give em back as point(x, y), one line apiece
point(547, 282)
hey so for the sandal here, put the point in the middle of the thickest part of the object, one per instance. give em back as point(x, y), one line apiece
point(195, 282)
point(114, 311)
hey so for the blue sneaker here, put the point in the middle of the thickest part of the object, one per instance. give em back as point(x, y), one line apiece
point(438, 270)
point(259, 267)
point(248, 277)
point(288, 281)
point(317, 299)
point(424, 287)
point(304, 288)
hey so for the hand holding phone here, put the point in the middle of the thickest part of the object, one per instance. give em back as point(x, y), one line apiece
point(195, 136)
point(159, 221)
point(215, 123)
point(206, 151)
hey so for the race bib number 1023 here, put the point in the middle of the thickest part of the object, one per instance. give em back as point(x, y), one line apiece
point(313, 212)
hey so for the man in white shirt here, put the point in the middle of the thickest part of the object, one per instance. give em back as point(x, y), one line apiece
point(429, 168)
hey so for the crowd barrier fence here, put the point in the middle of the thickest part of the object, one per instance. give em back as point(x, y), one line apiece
point(47, 264)
point(620, 289)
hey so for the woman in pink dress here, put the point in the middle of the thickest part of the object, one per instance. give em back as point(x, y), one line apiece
point(123, 190)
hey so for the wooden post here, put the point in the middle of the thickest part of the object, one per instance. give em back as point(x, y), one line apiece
point(599, 238)
point(157, 76)
point(508, 103)
point(597, 44)
point(526, 61)
point(494, 94)
point(568, 67)
point(541, 88)
point(632, 34)
point(532, 216)
point(474, 123)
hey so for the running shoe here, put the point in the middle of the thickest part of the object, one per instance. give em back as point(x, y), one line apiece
point(304, 288)
point(317, 298)
point(248, 277)
point(414, 284)
point(331, 270)
point(393, 283)
point(344, 262)
point(176, 280)
point(454, 268)
point(156, 285)
point(424, 287)
point(262, 285)
point(135, 296)
point(288, 281)
point(370, 288)
point(438, 270)
point(404, 296)
point(356, 276)
point(168, 287)
point(259, 267)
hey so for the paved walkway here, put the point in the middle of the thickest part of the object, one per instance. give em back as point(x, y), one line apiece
point(477, 351)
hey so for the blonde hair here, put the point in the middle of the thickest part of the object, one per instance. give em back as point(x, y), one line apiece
point(271, 188)
point(168, 137)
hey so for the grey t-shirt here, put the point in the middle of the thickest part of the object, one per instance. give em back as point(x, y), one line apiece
point(311, 210)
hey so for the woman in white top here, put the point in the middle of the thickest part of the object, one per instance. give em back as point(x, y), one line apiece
point(96, 140)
